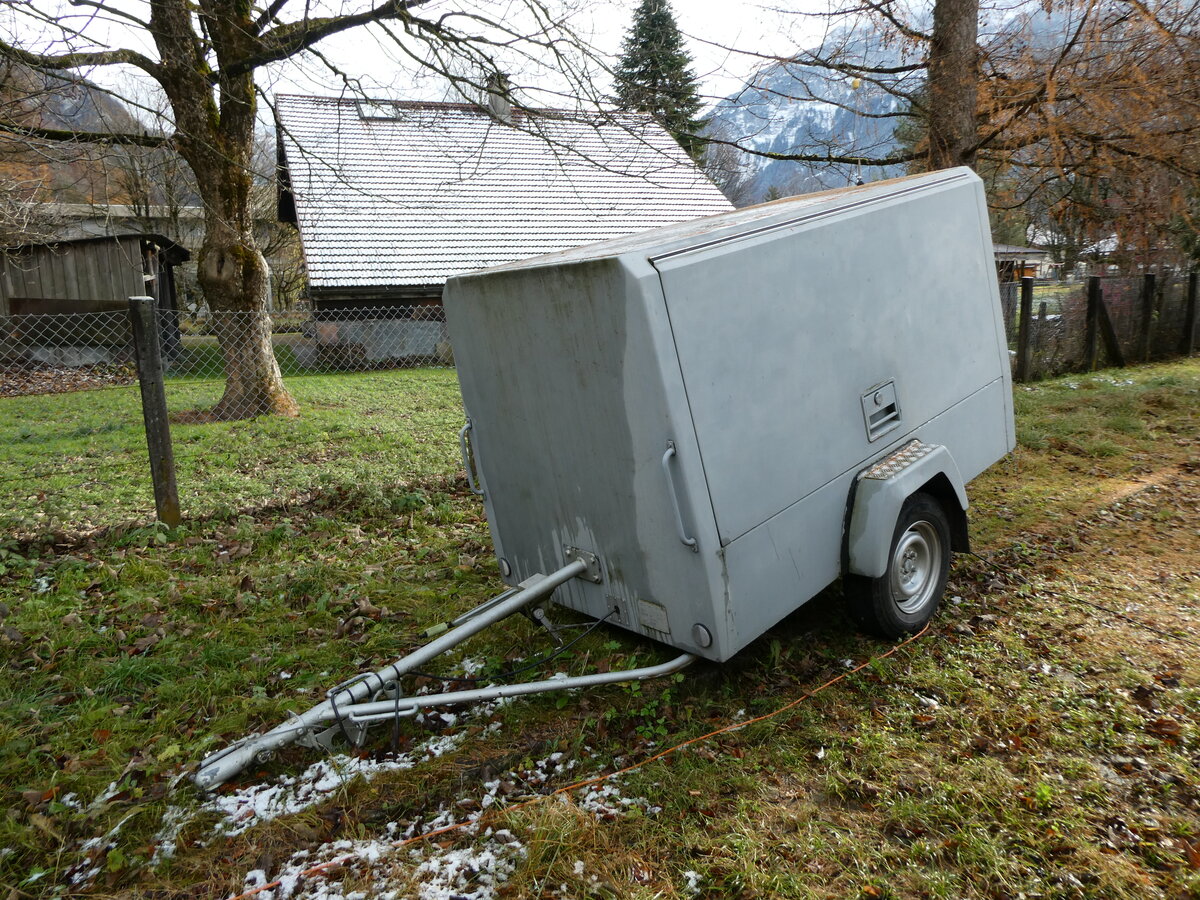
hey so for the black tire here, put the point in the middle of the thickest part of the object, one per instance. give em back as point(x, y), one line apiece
point(905, 598)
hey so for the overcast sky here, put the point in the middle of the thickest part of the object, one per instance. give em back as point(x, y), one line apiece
point(710, 28)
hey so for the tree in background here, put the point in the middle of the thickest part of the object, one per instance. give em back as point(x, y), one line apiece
point(1040, 100)
point(204, 56)
point(654, 75)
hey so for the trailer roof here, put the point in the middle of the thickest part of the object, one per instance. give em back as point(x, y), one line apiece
point(406, 193)
point(689, 235)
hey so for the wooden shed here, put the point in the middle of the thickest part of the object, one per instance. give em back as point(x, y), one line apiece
point(88, 275)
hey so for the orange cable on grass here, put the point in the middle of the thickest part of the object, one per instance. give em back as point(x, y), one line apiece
point(490, 814)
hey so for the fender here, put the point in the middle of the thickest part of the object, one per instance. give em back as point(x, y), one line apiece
point(880, 491)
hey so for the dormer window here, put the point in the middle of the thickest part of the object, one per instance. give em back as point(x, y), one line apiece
point(378, 109)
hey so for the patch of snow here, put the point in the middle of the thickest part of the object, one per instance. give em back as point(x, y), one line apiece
point(470, 873)
point(472, 665)
point(257, 803)
point(71, 801)
point(166, 840)
point(104, 796)
point(476, 871)
point(245, 808)
point(606, 802)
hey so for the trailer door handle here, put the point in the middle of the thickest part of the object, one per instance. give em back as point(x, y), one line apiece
point(666, 464)
point(466, 458)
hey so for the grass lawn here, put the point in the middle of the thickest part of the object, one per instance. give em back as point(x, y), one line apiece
point(77, 462)
point(1040, 740)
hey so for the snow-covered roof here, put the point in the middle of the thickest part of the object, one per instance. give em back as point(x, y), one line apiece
point(404, 194)
point(1015, 252)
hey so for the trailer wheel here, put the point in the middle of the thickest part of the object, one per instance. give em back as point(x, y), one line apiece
point(907, 595)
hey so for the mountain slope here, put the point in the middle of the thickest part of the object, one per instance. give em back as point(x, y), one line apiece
point(791, 107)
point(34, 173)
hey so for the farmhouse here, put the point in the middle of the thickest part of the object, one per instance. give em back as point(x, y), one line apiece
point(392, 197)
point(1014, 263)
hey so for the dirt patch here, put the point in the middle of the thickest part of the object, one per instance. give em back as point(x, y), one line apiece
point(1134, 574)
point(1130, 567)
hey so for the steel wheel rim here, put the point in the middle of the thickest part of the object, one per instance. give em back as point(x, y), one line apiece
point(916, 567)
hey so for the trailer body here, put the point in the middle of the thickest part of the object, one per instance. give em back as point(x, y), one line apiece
point(724, 416)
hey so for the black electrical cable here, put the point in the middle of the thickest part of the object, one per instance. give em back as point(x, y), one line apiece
point(337, 717)
point(525, 668)
point(1119, 614)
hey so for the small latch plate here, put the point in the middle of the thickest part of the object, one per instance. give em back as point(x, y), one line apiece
point(593, 573)
point(881, 411)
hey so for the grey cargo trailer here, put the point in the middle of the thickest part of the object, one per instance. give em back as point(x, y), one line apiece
point(696, 429)
point(723, 417)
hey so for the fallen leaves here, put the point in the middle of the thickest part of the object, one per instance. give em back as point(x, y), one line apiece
point(1167, 728)
point(22, 382)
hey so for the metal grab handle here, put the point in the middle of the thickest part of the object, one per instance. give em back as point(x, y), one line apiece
point(666, 464)
point(466, 458)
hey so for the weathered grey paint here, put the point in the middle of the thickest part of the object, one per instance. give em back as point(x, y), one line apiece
point(753, 341)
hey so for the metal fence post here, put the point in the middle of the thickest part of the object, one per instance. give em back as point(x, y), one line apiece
point(1091, 344)
point(144, 321)
point(1187, 341)
point(1024, 330)
point(1147, 323)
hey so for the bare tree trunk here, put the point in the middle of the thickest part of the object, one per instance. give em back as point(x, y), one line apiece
point(953, 83)
point(233, 276)
point(216, 137)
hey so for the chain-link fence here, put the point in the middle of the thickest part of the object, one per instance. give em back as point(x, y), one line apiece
point(1077, 325)
point(70, 351)
point(379, 408)
point(57, 353)
point(308, 341)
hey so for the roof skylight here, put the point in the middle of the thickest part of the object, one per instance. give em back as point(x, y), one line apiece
point(378, 109)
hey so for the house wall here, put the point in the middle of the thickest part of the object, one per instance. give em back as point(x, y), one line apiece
point(363, 300)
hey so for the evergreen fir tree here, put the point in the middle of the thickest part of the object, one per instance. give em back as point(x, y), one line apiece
point(654, 75)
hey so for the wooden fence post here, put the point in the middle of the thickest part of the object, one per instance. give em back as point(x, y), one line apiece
point(1115, 356)
point(1187, 341)
point(1024, 329)
point(1147, 323)
point(1091, 344)
point(144, 321)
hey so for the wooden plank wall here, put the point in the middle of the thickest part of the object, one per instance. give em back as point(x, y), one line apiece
point(76, 277)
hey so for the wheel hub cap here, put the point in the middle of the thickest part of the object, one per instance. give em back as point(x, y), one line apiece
point(916, 565)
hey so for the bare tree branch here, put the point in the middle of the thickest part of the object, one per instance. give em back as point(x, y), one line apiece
point(84, 137)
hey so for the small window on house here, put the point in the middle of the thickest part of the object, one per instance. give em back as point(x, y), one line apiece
point(378, 109)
